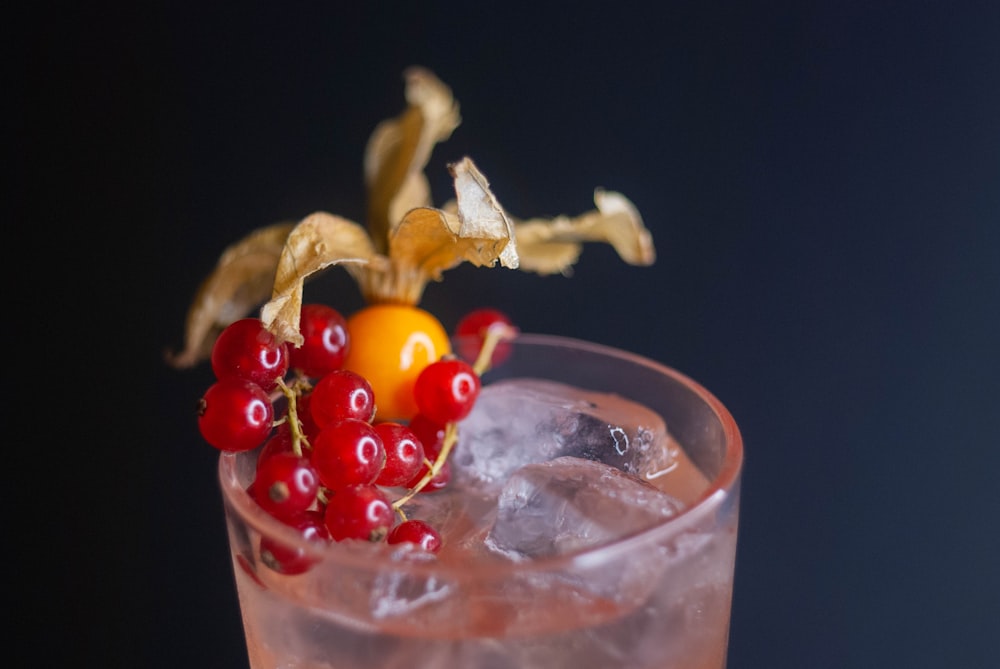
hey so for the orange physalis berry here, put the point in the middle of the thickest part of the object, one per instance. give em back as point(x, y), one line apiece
point(390, 345)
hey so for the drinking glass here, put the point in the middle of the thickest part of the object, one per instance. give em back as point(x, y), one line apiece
point(657, 598)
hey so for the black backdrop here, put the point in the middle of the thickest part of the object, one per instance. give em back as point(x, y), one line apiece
point(822, 180)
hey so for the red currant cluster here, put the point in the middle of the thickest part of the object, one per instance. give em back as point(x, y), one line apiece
point(326, 466)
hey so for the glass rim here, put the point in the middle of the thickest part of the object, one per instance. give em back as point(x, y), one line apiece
point(719, 488)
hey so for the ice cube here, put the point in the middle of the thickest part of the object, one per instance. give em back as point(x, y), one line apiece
point(570, 503)
point(522, 421)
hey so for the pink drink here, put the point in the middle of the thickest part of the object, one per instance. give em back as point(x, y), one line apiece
point(556, 558)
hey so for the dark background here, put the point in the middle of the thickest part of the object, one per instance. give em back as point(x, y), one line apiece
point(822, 180)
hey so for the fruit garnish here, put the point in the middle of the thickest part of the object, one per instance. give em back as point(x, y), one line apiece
point(390, 345)
point(235, 415)
point(286, 485)
point(472, 330)
point(404, 454)
point(359, 511)
point(288, 560)
point(324, 346)
point(446, 390)
point(406, 242)
point(341, 394)
point(416, 532)
point(348, 411)
point(348, 452)
point(248, 351)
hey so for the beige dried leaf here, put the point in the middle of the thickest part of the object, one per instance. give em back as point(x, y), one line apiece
point(318, 241)
point(428, 241)
point(421, 243)
point(406, 242)
point(241, 281)
point(413, 194)
point(477, 231)
point(398, 151)
point(551, 246)
point(481, 215)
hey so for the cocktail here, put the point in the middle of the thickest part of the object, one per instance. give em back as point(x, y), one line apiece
point(580, 529)
point(398, 495)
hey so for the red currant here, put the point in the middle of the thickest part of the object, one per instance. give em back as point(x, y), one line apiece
point(446, 390)
point(429, 432)
point(285, 485)
point(326, 343)
point(347, 452)
point(248, 350)
point(292, 560)
point(359, 512)
point(342, 394)
point(404, 454)
point(279, 442)
point(471, 332)
point(416, 532)
point(235, 415)
point(431, 435)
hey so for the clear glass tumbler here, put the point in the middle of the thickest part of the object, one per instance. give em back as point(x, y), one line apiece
point(658, 598)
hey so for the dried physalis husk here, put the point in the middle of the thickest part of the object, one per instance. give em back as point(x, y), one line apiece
point(553, 246)
point(398, 151)
point(482, 216)
point(424, 244)
point(428, 241)
point(241, 281)
point(406, 242)
point(319, 241)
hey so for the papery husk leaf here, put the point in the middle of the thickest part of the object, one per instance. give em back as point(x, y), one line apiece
point(420, 248)
point(241, 281)
point(481, 215)
point(429, 241)
point(398, 151)
point(413, 194)
point(552, 246)
point(318, 241)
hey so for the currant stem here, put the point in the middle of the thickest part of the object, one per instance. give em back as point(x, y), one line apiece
point(495, 333)
point(298, 437)
point(450, 438)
